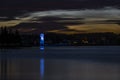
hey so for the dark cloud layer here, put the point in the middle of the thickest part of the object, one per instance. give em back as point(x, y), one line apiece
point(57, 4)
point(53, 18)
point(18, 7)
point(39, 27)
point(60, 16)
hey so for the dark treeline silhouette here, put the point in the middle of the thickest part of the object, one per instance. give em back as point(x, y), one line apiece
point(9, 38)
point(13, 39)
point(83, 39)
point(29, 40)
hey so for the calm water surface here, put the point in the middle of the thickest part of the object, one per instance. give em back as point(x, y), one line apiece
point(61, 63)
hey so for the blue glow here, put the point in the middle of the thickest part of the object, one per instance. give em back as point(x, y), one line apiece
point(42, 38)
point(41, 41)
point(42, 68)
point(42, 34)
point(41, 48)
point(42, 59)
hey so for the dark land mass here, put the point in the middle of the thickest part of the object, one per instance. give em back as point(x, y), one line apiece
point(13, 39)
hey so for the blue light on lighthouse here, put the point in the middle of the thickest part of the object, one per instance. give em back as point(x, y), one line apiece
point(41, 41)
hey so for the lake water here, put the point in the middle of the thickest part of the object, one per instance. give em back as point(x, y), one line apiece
point(61, 63)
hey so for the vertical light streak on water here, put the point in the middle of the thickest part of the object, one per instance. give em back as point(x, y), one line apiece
point(42, 59)
point(42, 68)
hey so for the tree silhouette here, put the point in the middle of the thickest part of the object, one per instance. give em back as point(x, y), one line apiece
point(8, 38)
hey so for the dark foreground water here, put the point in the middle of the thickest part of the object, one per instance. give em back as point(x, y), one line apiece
point(61, 63)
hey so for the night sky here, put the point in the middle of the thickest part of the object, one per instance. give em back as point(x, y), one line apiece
point(61, 16)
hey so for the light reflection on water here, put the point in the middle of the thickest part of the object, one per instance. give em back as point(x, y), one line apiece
point(60, 68)
point(20, 69)
point(42, 68)
point(64, 69)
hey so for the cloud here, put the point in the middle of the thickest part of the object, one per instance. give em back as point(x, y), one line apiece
point(11, 23)
point(88, 20)
point(93, 28)
point(87, 13)
point(3, 17)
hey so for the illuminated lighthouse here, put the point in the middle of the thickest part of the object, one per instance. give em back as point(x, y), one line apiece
point(42, 59)
point(41, 41)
